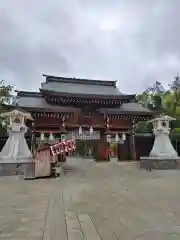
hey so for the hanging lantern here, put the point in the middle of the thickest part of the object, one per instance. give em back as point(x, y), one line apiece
point(116, 138)
point(42, 136)
point(91, 130)
point(80, 131)
point(51, 137)
point(73, 135)
point(108, 138)
point(3, 124)
point(63, 120)
point(124, 137)
point(107, 122)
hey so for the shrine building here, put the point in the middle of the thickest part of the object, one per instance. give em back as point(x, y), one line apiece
point(88, 110)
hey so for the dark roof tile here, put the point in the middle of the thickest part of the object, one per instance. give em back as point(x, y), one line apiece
point(36, 102)
point(80, 86)
point(125, 108)
point(50, 78)
point(133, 106)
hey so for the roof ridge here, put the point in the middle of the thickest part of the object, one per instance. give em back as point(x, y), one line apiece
point(50, 78)
point(89, 95)
point(28, 94)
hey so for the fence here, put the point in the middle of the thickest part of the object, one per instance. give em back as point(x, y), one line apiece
point(143, 145)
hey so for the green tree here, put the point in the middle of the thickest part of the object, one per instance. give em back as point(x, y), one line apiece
point(173, 96)
point(168, 101)
point(5, 99)
point(5, 93)
point(156, 93)
point(143, 99)
point(152, 97)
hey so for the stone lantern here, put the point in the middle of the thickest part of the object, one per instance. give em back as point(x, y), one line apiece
point(15, 157)
point(163, 154)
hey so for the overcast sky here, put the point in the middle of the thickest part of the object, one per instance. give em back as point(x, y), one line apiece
point(135, 42)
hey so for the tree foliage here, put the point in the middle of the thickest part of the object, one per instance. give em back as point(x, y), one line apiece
point(157, 98)
point(157, 88)
point(5, 93)
point(152, 97)
point(5, 99)
point(174, 92)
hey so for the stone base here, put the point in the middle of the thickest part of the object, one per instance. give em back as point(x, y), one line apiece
point(159, 163)
point(26, 169)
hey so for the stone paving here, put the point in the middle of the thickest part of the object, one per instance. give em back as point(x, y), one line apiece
point(92, 201)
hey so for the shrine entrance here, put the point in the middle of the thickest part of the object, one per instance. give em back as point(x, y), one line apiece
point(86, 141)
point(86, 148)
point(88, 111)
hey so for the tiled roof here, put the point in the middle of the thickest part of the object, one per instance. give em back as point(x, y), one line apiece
point(50, 78)
point(131, 107)
point(80, 86)
point(36, 101)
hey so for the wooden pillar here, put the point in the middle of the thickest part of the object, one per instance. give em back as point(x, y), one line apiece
point(133, 146)
point(61, 157)
point(123, 150)
point(102, 150)
point(118, 150)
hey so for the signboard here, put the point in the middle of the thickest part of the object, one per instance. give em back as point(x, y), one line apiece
point(63, 147)
point(85, 135)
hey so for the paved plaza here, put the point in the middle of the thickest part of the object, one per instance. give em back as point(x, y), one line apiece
point(92, 201)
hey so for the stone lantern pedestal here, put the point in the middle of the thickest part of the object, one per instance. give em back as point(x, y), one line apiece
point(15, 157)
point(163, 154)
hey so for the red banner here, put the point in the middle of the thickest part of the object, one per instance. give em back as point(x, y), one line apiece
point(62, 147)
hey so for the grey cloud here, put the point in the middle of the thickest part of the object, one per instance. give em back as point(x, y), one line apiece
point(136, 42)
